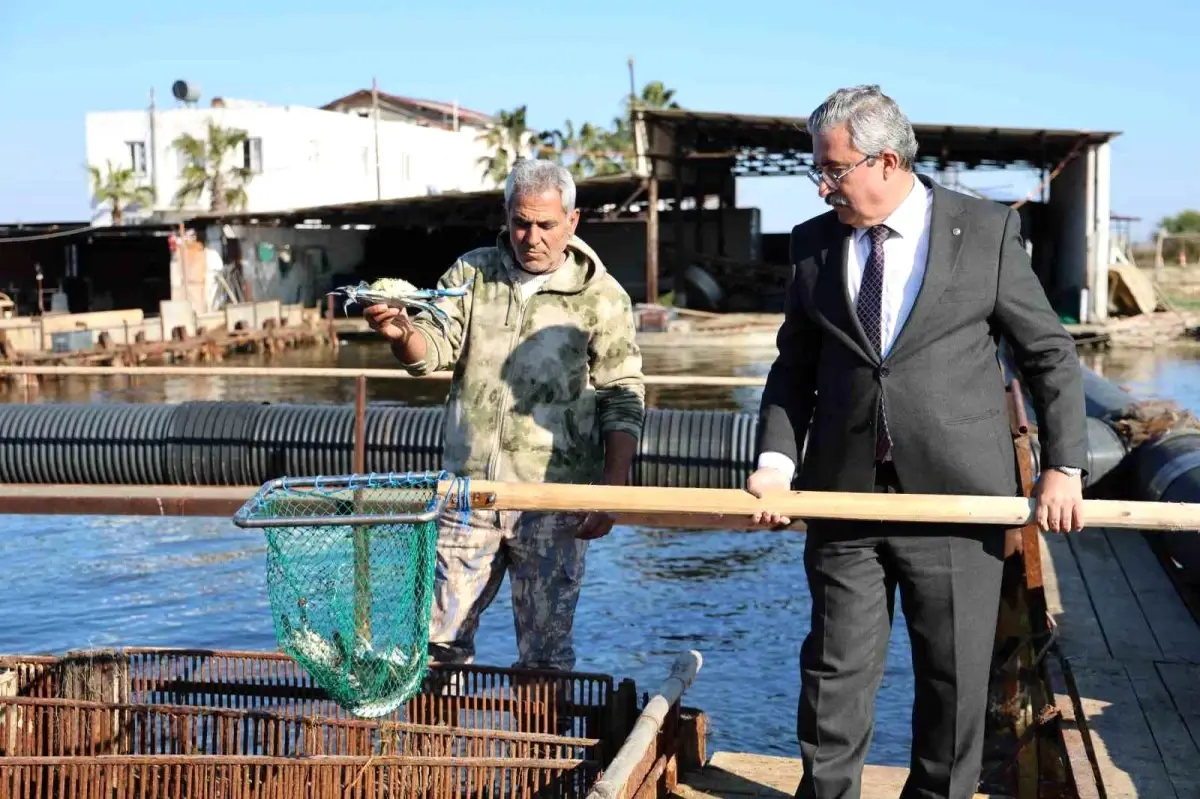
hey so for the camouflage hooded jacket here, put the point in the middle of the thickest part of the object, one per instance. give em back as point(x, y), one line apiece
point(537, 383)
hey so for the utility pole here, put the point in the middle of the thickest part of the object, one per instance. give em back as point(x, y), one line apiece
point(153, 146)
point(651, 274)
point(375, 115)
point(632, 86)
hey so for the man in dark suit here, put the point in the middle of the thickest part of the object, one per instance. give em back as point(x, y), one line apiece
point(888, 364)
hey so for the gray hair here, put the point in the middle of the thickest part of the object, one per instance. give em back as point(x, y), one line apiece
point(536, 176)
point(872, 119)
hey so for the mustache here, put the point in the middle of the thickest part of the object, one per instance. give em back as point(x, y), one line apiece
point(836, 200)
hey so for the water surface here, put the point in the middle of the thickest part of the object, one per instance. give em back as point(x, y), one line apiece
point(741, 599)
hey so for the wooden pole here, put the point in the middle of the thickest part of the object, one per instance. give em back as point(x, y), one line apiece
point(929, 508)
point(717, 508)
point(328, 372)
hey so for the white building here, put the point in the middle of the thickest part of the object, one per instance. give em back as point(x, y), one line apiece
point(301, 156)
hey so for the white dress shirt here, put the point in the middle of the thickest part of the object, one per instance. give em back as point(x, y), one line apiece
point(904, 255)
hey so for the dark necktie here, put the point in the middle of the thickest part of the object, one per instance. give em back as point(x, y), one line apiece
point(870, 315)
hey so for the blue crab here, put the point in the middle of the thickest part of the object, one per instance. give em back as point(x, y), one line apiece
point(399, 293)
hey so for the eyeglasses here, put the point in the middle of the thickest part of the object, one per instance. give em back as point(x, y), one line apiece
point(833, 181)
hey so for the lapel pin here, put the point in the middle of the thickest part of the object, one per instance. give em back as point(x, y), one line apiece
point(955, 232)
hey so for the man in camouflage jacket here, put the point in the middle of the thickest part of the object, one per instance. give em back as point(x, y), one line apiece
point(547, 387)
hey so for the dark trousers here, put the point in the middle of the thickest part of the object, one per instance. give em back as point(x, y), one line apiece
point(949, 581)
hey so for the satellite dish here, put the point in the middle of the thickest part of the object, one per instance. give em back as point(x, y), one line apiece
point(187, 92)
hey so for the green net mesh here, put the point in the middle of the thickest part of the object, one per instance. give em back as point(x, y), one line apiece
point(350, 574)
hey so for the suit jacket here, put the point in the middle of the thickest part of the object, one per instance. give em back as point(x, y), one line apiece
point(942, 379)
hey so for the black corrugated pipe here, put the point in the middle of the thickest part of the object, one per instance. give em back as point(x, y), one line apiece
point(1106, 450)
point(91, 443)
point(1167, 469)
point(242, 443)
point(1102, 398)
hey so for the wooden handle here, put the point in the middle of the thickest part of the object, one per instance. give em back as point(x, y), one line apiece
point(708, 508)
point(1006, 511)
point(333, 372)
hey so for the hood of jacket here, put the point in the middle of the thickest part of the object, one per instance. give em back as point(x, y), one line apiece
point(582, 269)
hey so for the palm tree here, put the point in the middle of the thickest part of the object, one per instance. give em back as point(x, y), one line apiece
point(509, 140)
point(594, 150)
point(119, 188)
point(206, 169)
point(655, 95)
point(583, 152)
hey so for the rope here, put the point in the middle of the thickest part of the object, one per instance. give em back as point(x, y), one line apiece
point(1075, 151)
point(44, 236)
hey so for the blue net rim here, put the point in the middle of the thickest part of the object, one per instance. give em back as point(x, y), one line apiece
point(260, 510)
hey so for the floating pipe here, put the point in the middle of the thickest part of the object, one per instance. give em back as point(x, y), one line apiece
point(1167, 469)
point(1105, 452)
point(246, 443)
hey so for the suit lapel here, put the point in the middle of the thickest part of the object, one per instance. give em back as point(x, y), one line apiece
point(833, 296)
point(946, 232)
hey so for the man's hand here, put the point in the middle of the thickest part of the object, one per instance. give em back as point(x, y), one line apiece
point(619, 449)
point(596, 525)
point(765, 481)
point(1059, 502)
point(391, 323)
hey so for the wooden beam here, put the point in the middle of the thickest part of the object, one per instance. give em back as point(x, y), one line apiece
point(636, 501)
point(348, 373)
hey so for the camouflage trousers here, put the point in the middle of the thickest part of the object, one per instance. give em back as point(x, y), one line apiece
point(545, 565)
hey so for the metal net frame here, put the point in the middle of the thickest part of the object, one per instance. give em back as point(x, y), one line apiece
point(350, 578)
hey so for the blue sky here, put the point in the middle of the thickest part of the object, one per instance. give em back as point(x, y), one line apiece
point(1054, 63)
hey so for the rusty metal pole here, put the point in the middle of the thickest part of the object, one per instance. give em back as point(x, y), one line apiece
point(333, 339)
point(362, 543)
point(1018, 700)
point(679, 293)
point(360, 424)
point(652, 239)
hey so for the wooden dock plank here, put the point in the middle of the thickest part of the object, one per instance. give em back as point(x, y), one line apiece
point(1122, 621)
point(1068, 602)
point(1178, 751)
point(1183, 683)
point(1172, 624)
point(1129, 643)
point(739, 775)
point(1127, 756)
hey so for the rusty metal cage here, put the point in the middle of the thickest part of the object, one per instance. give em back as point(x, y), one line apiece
point(166, 722)
point(470, 696)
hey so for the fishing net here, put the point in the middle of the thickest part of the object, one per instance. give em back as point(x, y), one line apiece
point(350, 575)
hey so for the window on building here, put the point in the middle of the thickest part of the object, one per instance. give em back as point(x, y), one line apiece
point(182, 161)
point(252, 155)
point(137, 156)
